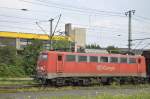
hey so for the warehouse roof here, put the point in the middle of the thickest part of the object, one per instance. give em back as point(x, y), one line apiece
point(31, 36)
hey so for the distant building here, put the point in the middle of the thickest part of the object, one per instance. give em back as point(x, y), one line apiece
point(20, 40)
point(96, 51)
point(133, 51)
point(78, 35)
point(68, 29)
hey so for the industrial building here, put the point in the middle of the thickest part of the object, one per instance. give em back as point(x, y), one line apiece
point(20, 40)
point(78, 36)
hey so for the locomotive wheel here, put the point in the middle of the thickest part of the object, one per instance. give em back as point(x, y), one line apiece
point(86, 82)
point(115, 81)
point(106, 81)
point(123, 81)
point(60, 82)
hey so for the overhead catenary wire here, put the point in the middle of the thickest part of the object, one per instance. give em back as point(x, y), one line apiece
point(43, 12)
point(141, 17)
point(41, 28)
point(56, 25)
point(138, 44)
point(15, 22)
point(17, 27)
point(86, 26)
point(29, 11)
point(17, 17)
point(92, 27)
point(47, 21)
point(103, 28)
point(146, 46)
point(43, 20)
point(142, 21)
point(81, 8)
point(74, 7)
point(89, 11)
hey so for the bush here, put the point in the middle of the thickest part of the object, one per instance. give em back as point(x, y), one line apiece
point(11, 71)
point(10, 63)
point(30, 56)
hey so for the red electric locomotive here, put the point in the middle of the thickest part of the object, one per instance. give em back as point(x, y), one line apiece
point(61, 68)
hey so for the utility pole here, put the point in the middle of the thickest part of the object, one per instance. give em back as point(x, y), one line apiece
point(51, 32)
point(129, 13)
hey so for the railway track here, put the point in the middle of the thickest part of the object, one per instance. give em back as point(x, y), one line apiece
point(11, 87)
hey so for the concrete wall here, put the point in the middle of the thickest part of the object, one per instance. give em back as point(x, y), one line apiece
point(80, 37)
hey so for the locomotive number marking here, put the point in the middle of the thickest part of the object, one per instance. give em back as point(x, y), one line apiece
point(105, 68)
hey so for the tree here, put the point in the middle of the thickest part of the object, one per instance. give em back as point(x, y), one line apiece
point(13, 64)
point(31, 52)
point(8, 55)
point(93, 46)
point(112, 49)
point(62, 45)
point(10, 62)
point(30, 56)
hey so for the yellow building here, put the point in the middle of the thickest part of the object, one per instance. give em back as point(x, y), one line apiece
point(20, 39)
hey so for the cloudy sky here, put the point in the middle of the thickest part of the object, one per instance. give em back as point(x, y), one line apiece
point(104, 20)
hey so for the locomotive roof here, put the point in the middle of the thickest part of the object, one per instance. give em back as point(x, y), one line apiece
point(90, 54)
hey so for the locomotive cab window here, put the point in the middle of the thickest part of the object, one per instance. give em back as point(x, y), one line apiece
point(132, 60)
point(93, 59)
point(82, 58)
point(43, 57)
point(139, 61)
point(113, 59)
point(59, 57)
point(70, 58)
point(123, 60)
point(104, 59)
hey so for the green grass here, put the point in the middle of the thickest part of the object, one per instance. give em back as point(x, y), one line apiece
point(16, 81)
point(67, 88)
point(5, 83)
point(38, 89)
point(101, 96)
point(141, 94)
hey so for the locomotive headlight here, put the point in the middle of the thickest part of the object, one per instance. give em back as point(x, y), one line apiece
point(41, 68)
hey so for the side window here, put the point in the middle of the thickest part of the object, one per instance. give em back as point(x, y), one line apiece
point(82, 58)
point(70, 58)
point(103, 59)
point(93, 59)
point(132, 60)
point(113, 59)
point(123, 60)
point(59, 57)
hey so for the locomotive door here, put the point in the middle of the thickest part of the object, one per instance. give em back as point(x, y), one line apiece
point(139, 67)
point(59, 68)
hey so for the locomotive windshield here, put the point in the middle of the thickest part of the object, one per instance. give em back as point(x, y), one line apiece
point(43, 57)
